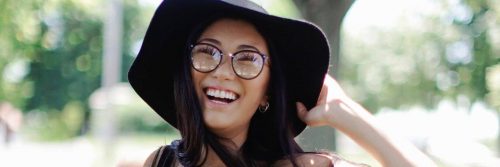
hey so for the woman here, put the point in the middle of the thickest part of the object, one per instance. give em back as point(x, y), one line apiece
point(237, 83)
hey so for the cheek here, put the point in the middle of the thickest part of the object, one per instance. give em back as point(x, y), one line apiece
point(265, 79)
point(257, 87)
point(197, 77)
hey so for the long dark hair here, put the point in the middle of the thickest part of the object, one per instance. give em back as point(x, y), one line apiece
point(264, 145)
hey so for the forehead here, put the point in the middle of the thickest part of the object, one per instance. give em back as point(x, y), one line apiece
point(235, 32)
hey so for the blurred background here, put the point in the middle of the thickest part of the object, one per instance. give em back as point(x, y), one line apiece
point(428, 69)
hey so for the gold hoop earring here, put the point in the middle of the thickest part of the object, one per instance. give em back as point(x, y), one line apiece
point(263, 109)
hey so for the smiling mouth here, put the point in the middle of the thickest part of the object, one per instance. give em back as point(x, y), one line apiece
point(221, 96)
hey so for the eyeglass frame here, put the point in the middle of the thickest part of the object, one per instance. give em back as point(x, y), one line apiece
point(264, 59)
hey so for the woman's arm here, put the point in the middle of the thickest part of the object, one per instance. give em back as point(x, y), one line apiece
point(336, 109)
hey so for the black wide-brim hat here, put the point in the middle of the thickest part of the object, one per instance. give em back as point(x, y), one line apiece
point(301, 48)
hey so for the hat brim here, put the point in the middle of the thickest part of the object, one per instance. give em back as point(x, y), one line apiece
point(301, 48)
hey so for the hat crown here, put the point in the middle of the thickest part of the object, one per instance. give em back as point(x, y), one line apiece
point(246, 4)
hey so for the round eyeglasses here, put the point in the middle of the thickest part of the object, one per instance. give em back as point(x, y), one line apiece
point(247, 64)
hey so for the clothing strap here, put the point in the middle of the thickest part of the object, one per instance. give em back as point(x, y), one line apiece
point(155, 160)
point(166, 155)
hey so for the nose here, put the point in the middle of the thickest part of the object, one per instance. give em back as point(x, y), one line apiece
point(224, 71)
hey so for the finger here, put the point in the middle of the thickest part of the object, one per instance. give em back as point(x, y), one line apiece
point(317, 116)
point(301, 111)
point(322, 95)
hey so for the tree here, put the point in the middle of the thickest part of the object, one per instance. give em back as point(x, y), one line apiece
point(65, 63)
point(408, 66)
point(16, 41)
point(444, 53)
point(58, 43)
point(327, 14)
point(476, 30)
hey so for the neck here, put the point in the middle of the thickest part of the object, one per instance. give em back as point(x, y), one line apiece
point(213, 159)
point(233, 138)
point(234, 142)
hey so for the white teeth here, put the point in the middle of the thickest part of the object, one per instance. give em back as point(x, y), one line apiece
point(221, 94)
point(218, 94)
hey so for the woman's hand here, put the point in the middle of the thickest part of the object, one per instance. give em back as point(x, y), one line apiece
point(336, 109)
point(332, 99)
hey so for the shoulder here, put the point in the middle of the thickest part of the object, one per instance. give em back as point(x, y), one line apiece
point(154, 157)
point(341, 162)
point(163, 154)
point(151, 158)
point(315, 159)
point(305, 160)
point(318, 160)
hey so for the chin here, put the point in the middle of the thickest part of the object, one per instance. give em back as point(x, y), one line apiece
point(217, 120)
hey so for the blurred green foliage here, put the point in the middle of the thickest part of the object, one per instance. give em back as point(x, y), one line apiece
point(60, 45)
point(66, 61)
point(50, 126)
point(441, 54)
point(476, 28)
point(133, 118)
point(283, 8)
point(51, 58)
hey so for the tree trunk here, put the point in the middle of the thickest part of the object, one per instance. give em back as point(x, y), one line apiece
point(327, 14)
point(105, 126)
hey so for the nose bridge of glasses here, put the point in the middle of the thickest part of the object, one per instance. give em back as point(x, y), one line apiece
point(223, 60)
point(225, 68)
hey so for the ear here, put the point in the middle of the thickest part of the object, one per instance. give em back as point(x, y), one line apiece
point(264, 100)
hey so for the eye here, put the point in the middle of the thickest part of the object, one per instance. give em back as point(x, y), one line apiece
point(205, 58)
point(207, 49)
point(248, 57)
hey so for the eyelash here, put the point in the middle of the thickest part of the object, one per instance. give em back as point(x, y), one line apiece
point(208, 49)
point(247, 57)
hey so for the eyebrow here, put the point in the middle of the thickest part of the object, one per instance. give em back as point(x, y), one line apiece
point(240, 47)
point(210, 40)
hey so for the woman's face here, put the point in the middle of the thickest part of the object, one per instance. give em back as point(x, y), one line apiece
point(228, 101)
